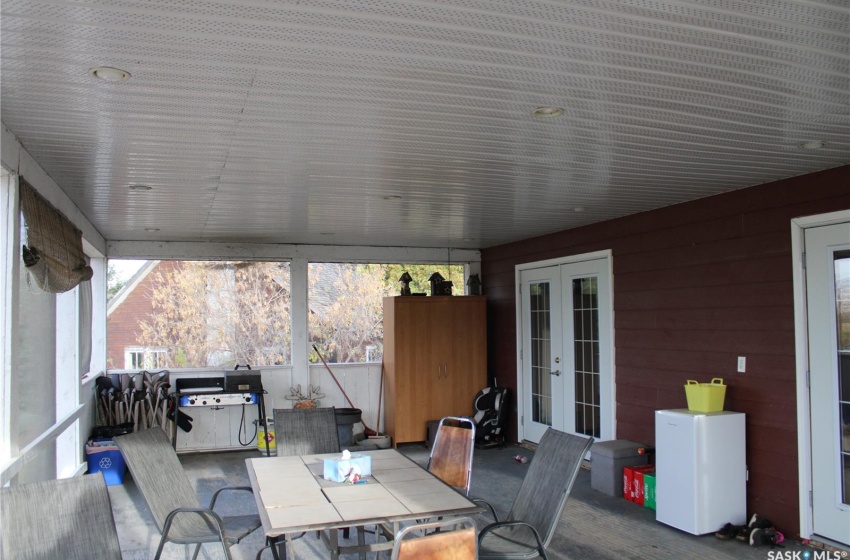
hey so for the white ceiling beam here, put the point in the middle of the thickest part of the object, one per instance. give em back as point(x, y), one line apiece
point(188, 250)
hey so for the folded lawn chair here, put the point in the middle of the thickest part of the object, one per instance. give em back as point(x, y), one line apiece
point(178, 514)
point(69, 519)
point(531, 523)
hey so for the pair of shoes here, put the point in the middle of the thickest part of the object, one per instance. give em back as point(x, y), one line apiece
point(728, 531)
point(769, 536)
point(758, 522)
point(755, 522)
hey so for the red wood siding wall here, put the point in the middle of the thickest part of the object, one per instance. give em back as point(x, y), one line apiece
point(695, 286)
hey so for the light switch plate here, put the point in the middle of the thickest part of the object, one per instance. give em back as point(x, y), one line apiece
point(742, 364)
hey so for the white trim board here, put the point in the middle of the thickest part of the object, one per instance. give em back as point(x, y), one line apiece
point(177, 250)
point(28, 453)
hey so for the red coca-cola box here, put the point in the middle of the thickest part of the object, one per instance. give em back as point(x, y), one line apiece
point(633, 482)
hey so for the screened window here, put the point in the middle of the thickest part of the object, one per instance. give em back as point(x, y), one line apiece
point(346, 305)
point(186, 314)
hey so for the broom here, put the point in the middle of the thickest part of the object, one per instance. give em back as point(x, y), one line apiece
point(366, 429)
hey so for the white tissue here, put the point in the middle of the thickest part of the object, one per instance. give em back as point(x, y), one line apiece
point(346, 454)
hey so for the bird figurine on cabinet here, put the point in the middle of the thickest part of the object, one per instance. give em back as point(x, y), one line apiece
point(439, 286)
point(474, 284)
point(405, 280)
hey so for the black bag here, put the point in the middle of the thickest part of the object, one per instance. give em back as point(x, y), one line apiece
point(101, 432)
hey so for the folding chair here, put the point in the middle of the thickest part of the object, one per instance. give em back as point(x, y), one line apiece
point(178, 514)
point(531, 523)
point(458, 544)
point(306, 431)
point(451, 453)
point(69, 518)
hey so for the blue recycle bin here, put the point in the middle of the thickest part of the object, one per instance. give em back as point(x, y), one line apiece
point(104, 456)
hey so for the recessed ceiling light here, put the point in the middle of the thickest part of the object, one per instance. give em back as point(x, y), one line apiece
point(578, 209)
point(109, 74)
point(392, 197)
point(151, 229)
point(812, 144)
point(548, 112)
point(326, 233)
point(140, 188)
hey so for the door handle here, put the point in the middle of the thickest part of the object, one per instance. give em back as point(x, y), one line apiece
point(555, 372)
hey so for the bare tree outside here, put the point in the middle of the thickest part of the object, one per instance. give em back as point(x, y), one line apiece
point(346, 311)
point(346, 305)
point(218, 314)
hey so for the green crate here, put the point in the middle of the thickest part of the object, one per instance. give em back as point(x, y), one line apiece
point(649, 491)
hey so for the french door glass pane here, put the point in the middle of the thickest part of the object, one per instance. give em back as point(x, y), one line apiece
point(842, 311)
point(586, 349)
point(541, 354)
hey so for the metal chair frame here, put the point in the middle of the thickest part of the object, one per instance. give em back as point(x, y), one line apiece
point(534, 516)
point(160, 478)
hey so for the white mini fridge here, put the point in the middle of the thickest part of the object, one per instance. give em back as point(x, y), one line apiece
point(700, 470)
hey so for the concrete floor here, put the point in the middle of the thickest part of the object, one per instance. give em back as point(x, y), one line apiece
point(593, 525)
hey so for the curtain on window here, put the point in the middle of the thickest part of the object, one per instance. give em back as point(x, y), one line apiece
point(54, 251)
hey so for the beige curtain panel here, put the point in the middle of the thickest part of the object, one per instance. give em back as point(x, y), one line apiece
point(54, 250)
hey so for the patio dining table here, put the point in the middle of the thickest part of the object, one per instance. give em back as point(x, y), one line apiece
point(293, 497)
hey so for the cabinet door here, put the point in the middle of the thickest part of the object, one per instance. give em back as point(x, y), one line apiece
point(465, 369)
point(439, 376)
point(419, 332)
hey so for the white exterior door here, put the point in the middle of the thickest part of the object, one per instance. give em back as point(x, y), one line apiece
point(541, 355)
point(828, 303)
point(566, 350)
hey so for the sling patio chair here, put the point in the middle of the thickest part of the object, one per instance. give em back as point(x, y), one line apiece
point(457, 544)
point(537, 508)
point(69, 518)
point(178, 514)
point(306, 431)
point(451, 453)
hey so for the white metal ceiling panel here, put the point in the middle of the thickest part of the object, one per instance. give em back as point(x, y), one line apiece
point(410, 123)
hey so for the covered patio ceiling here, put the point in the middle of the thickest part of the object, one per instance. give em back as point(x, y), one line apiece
point(388, 123)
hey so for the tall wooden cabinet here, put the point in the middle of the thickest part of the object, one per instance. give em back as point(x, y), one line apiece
point(435, 360)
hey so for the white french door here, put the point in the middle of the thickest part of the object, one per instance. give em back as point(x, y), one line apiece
point(566, 349)
point(828, 323)
point(541, 355)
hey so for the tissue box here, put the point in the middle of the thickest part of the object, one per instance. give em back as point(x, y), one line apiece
point(337, 469)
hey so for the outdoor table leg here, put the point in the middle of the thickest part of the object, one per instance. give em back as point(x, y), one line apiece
point(361, 540)
point(279, 547)
point(333, 543)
